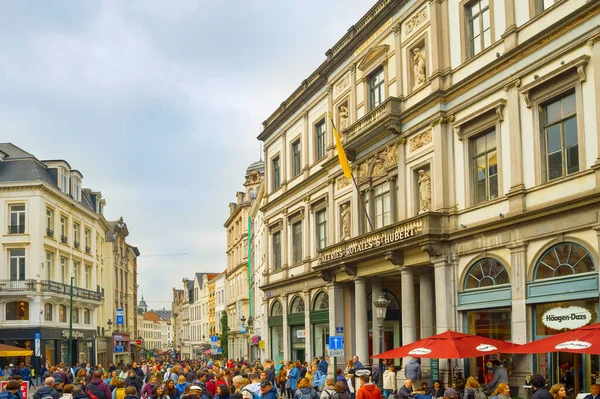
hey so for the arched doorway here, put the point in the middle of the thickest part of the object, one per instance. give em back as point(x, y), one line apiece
point(392, 326)
point(319, 321)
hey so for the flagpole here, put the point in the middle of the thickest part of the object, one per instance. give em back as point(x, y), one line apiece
point(340, 147)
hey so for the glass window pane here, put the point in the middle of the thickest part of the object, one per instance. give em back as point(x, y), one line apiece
point(555, 165)
point(485, 18)
point(476, 27)
point(484, 4)
point(480, 145)
point(553, 112)
point(553, 142)
point(570, 127)
point(568, 105)
point(573, 159)
point(476, 46)
point(493, 186)
point(491, 140)
point(487, 38)
point(474, 9)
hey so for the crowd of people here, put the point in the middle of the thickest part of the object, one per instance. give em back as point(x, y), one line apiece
point(215, 379)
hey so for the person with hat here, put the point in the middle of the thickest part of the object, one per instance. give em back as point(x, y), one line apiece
point(267, 390)
point(450, 393)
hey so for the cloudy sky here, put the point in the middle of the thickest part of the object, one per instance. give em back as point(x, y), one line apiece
point(158, 104)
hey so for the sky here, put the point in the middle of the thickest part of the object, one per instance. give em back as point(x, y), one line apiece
point(158, 105)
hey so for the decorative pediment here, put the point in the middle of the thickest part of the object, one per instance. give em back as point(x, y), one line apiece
point(376, 55)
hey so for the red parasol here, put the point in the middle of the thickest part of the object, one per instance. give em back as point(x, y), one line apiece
point(449, 345)
point(581, 340)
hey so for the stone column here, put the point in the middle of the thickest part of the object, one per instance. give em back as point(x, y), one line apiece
point(510, 34)
point(398, 60)
point(352, 102)
point(307, 327)
point(403, 189)
point(594, 43)
point(520, 332)
point(409, 321)
point(283, 167)
point(427, 299)
point(375, 291)
point(330, 139)
point(516, 193)
point(286, 329)
point(304, 146)
point(360, 298)
point(441, 172)
point(336, 318)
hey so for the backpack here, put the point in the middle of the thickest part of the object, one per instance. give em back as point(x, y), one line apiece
point(57, 378)
point(479, 394)
point(254, 394)
point(94, 392)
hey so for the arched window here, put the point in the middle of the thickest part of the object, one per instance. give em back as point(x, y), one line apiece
point(48, 309)
point(488, 272)
point(18, 310)
point(76, 315)
point(276, 309)
point(62, 313)
point(564, 259)
point(297, 306)
point(87, 316)
point(321, 301)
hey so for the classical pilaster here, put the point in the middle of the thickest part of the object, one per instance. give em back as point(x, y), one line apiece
point(442, 172)
point(307, 326)
point(402, 186)
point(305, 147)
point(510, 34)
point(330, 137)
point(352, 102)
point(594, 43)
point(520, 331)
point(336, 314)
point(307, 227)
point(362, 336)
point(284, 164)
point(375, 291)
point(398, 59)
point(331, 213)
point(516, 193)
point(286, 328)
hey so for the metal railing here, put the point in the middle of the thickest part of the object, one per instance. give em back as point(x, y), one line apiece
point(88, 250)
point(76, 244)
point(63, 239)
point(18, 229)
point(65, 289)
point(17, 285)
point(50, 233)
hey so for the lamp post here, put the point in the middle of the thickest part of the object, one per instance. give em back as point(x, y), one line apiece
point(70, 351)
point(245, 341)
point(381, 305)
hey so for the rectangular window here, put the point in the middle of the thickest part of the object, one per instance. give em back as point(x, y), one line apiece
point(48, 312)
point(76, 236)
point(484, 161)
point(49, 222)
point(49, 266)
point(17, 219)
point(88, 276)
point(276, 173)
point(320, 139)
point(376, 81)
point(543, 5)
point(478, 25)
point(382, 202)
point(63, 269)
point(561, 144)
point(64, 229)
point(87, 317)
point(64, 181)
point(297, 242)
point(296, 161)
point(277, 250)
point(76, 190)
point(75, 315)
point(366, 225)
point(87, 241)
point(17, 264)
point(76, 274)
point(62, 313)
point(321, 224)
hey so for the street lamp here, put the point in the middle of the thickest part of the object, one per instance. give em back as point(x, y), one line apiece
point(70, 354)
point(381, 305)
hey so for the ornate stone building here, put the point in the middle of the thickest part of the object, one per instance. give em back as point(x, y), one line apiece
point(472, 131)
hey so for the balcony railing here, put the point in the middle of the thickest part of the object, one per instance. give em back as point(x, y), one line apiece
point(76, 244)
point(18, 229)
point(385, 118)
point(50, 233)
point(63, 239)
point(88, 250)
point(17, 285)
point(65, 289)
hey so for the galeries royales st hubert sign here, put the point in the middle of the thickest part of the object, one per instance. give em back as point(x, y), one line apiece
point(375, 240)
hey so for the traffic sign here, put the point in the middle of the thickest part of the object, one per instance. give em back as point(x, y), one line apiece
point(214, 338)
point(120, 317)
point(37, 346)
point(336, 342)
point(336, 353)
point(139, 341)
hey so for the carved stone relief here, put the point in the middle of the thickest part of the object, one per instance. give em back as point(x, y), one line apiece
point(342, 182)
point(345, 216)
point(343, 116)
point(420, 140)
point(424, 191)
point(342, 85)
point(378, 164)
point(415, 22)
point(419, 65)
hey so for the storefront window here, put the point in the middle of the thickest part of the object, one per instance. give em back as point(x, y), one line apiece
point(276, 309)
point(50, 351)
point(298, 340)
point(17, 310)
point(277, 343)
point(491, 323)
point(564, 259)
point(556, 317)
point(321, 301)
point(321, 338)
point(487, 272)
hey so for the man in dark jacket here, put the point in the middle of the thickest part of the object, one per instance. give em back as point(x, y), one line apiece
point(11, 390)
point(47, 390)
point(99, 388)
point(133, 380)
point(405, 392)
point(138, 371)
point(538, 383)
point(270, 371)
point(77, 393)
point(323, 365)
point(267, 391)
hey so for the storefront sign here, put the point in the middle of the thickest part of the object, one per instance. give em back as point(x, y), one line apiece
point(419, 351)
point(566, 318)
point(372, 241)
point(261, 344)
point(301, 334)
point(486, 348)
point(74, 334)
point(573, 345)
point(24, 387)
point(435, 370)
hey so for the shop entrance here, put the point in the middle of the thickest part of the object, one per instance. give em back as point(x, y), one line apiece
point(578, 372)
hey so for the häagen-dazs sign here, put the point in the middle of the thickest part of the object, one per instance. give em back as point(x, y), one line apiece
point(371, 241)
point(566, 318)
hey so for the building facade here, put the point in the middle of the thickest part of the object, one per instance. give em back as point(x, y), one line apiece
point(472, 132)
point(220, 300)
point(238, 267)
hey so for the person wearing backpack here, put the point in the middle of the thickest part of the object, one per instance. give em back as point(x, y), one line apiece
point(98, 387)
point(66, 393)
point(319, 378)
point(47, 391)
point(119, 391)
point(473, 389)
point(328, 389)
point(78, 393)
point(11, 390)
point(267, 390)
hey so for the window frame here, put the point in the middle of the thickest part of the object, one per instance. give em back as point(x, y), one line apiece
point(50, 219)
point(320, 139)
point(318, 225)
point(296, 158)
point(76, 234)
point(478, 262)
point(474, 155)
point(464, 28)
point(381, 87)
point(49, 265)
point(48, 311)
point(20, 271)
point(382, 195)
point(297, 239)
point(21, 218)
point(276, 173)
point(63, 314)
point(276, 251)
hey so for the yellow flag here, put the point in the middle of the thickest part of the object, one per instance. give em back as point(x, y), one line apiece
point(341, 153)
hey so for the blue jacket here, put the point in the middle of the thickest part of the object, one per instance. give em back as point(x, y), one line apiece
point(323, 366)
point(412, 370)
point(25, 373)
point(272, 394)
point(319, 379)
point(294, 375)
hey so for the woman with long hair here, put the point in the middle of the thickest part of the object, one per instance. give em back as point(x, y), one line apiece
point(170, 390)
point(305, 390)
point(222, 392)
point(558, 391)
point(149, 390)
point(81, 377)
point(471, 386)
point(160, 393)
point(502, 391)
point(341, 390)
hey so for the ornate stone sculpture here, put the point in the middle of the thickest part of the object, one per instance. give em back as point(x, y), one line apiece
point(346, 226)
point(418, 68)
point(343, 112)
point(424, 192)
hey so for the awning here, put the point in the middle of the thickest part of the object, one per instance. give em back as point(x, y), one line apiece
point(207, 352)
point(7, 351)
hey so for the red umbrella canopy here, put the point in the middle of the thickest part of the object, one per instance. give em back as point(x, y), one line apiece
point(448, 345)
point(581, 340)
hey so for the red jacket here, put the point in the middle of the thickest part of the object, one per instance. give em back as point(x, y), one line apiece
point(368, 391)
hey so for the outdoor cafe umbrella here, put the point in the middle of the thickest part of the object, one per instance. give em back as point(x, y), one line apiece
point(584, 339)
point(449, 345)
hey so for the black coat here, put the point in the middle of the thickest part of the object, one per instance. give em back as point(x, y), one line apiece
point(542, 393)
